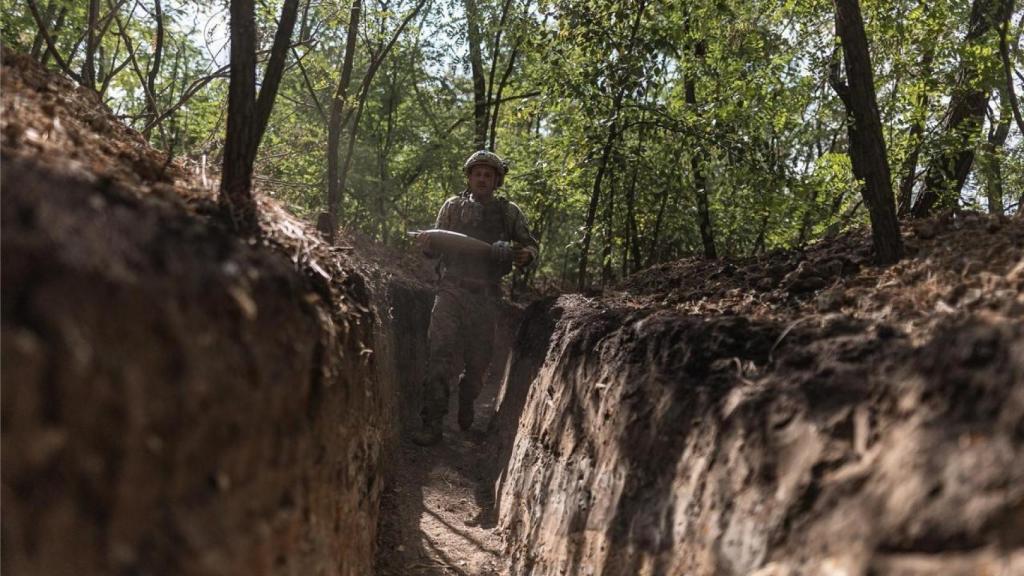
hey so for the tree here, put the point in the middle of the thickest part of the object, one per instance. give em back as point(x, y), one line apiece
point(700, 180)
point(606, 150)
point(377, 58)
point(1004, 54)
point(476, 64)
point(961, 126)
point(89, 67)
point(158, 52)
point(335, 124)
point(702, 126)
point(247, 117)
point(51, 48)
point(236, 174)
point(992, 150)
point(867, 147)
point(916, 133)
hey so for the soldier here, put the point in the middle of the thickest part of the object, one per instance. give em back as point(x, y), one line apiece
point(462, 322)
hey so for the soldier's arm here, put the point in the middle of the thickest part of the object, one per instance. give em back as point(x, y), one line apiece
point(444, 216)
point(443, 222)
point(522, 236)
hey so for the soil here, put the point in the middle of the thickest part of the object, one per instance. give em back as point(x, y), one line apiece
point(799, 413)
point(82, 192)
point(173, 393)
point(179, 400)
point(437, 513)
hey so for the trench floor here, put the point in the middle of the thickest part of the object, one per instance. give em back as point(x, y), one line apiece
point(437, 515)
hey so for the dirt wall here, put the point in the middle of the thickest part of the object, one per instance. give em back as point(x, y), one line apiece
point(177, 401)
point(655, 441)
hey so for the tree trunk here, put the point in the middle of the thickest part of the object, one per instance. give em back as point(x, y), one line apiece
point(51, 47)
point(631, 257)
point(652, 250)
point(476, 64)
point(948, 169)
point(495, 52)
point(89, 67)
point(867, 147)
point(909, 167)
point(158, 50)
point(101, 64)
point(564, 276)
point(304, 26)
point(501, 88)
point(595, 193)
point(762, 234)
point(37, 41)
point(391, 102)
point(613, 133)
point(152, 107)
point(57, 26)
point(1004, 54)
point(609, 233)
point(990, 161)
point(275, 68)
point(707, 236)
point(334, 122)
point(808, 218)
point(364, 90)
point(172, 84)
point(309, 86)
point(700, 181)
point(115, 69)
point(236, 179)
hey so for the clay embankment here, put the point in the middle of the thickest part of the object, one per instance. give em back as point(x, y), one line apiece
point(799, 414)
point(178, 400)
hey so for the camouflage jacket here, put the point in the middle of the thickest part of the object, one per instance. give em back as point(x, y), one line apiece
point(490, 221)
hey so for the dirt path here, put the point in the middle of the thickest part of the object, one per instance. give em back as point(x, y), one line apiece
point(437, 514)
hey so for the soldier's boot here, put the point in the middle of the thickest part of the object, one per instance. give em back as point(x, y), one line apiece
point(429, 435)
point(465, 412)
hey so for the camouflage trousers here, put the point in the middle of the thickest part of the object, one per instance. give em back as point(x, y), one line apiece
point(461, 340)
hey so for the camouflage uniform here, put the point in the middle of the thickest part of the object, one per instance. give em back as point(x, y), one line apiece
point(462, 322)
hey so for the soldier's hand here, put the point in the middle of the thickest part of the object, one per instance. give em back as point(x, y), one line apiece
point(423, 242)
point(522, 257)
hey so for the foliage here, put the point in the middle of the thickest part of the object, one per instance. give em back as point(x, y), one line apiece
point(763, 124)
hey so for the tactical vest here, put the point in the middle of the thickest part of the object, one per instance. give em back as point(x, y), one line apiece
point(483, 221)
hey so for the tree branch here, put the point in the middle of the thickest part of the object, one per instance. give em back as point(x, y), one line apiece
point(1004, 52)
point(37, 41)
point(378, 59)
point(835, 80)
point(275, 69)
point(309, 85)
point(494, 61)
point(501, 88)
point(49, 42)
point(189, 92)
point(89, 68)
point(158, 50)
point(151, 103)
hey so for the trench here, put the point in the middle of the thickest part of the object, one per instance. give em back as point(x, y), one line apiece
point(437, 509)
point(178, 400)
point(630, 439)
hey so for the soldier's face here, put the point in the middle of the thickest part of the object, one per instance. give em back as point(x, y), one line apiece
point(482, 180)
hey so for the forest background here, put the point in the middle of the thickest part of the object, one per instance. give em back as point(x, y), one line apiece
point(637, 131)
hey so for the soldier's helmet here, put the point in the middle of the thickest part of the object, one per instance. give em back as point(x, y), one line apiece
point(487, 158)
